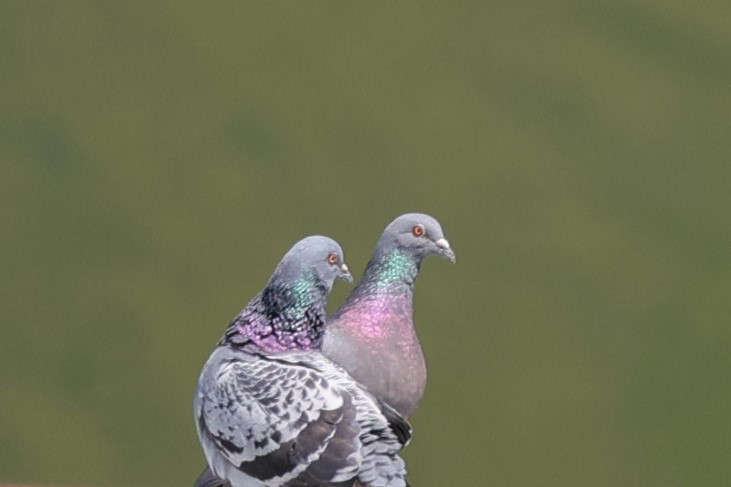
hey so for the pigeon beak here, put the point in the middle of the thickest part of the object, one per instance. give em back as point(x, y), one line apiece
point(445, 250)
point(345, 274)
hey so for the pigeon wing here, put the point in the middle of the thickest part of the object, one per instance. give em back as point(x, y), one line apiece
point(271, 417)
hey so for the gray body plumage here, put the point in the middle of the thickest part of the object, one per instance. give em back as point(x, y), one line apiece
point(392, 363)
point(271, 410)
point(294, 418)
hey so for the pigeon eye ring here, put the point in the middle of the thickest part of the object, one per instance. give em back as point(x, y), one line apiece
point(418, 230)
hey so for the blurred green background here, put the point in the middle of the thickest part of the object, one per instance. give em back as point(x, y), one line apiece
point(158, 158)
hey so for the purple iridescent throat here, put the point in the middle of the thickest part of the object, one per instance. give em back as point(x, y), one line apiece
point(382, 303)
point(282, 317)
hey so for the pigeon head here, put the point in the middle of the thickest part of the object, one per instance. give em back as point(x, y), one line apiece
point(317, 260)
point(418, 235)
point(289, 313)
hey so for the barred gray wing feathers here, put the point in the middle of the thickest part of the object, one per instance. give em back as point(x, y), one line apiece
point(294, 419)
point(251, 410)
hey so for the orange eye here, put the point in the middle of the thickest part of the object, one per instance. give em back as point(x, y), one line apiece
point(333, 258)
point(418, 230)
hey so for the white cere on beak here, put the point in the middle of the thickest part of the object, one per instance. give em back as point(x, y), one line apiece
point(442, 242)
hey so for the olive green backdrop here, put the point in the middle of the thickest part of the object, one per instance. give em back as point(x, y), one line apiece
point(159, 157)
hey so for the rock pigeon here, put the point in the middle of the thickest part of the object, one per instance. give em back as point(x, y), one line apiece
point(372, 334)
point(271, 410)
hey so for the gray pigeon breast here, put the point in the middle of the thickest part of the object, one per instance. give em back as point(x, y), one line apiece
point(392, 367)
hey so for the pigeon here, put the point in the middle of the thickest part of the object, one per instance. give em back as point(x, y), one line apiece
point(372, 334)
point(271, 410)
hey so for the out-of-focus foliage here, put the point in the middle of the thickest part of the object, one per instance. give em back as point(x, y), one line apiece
point(157, 158)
